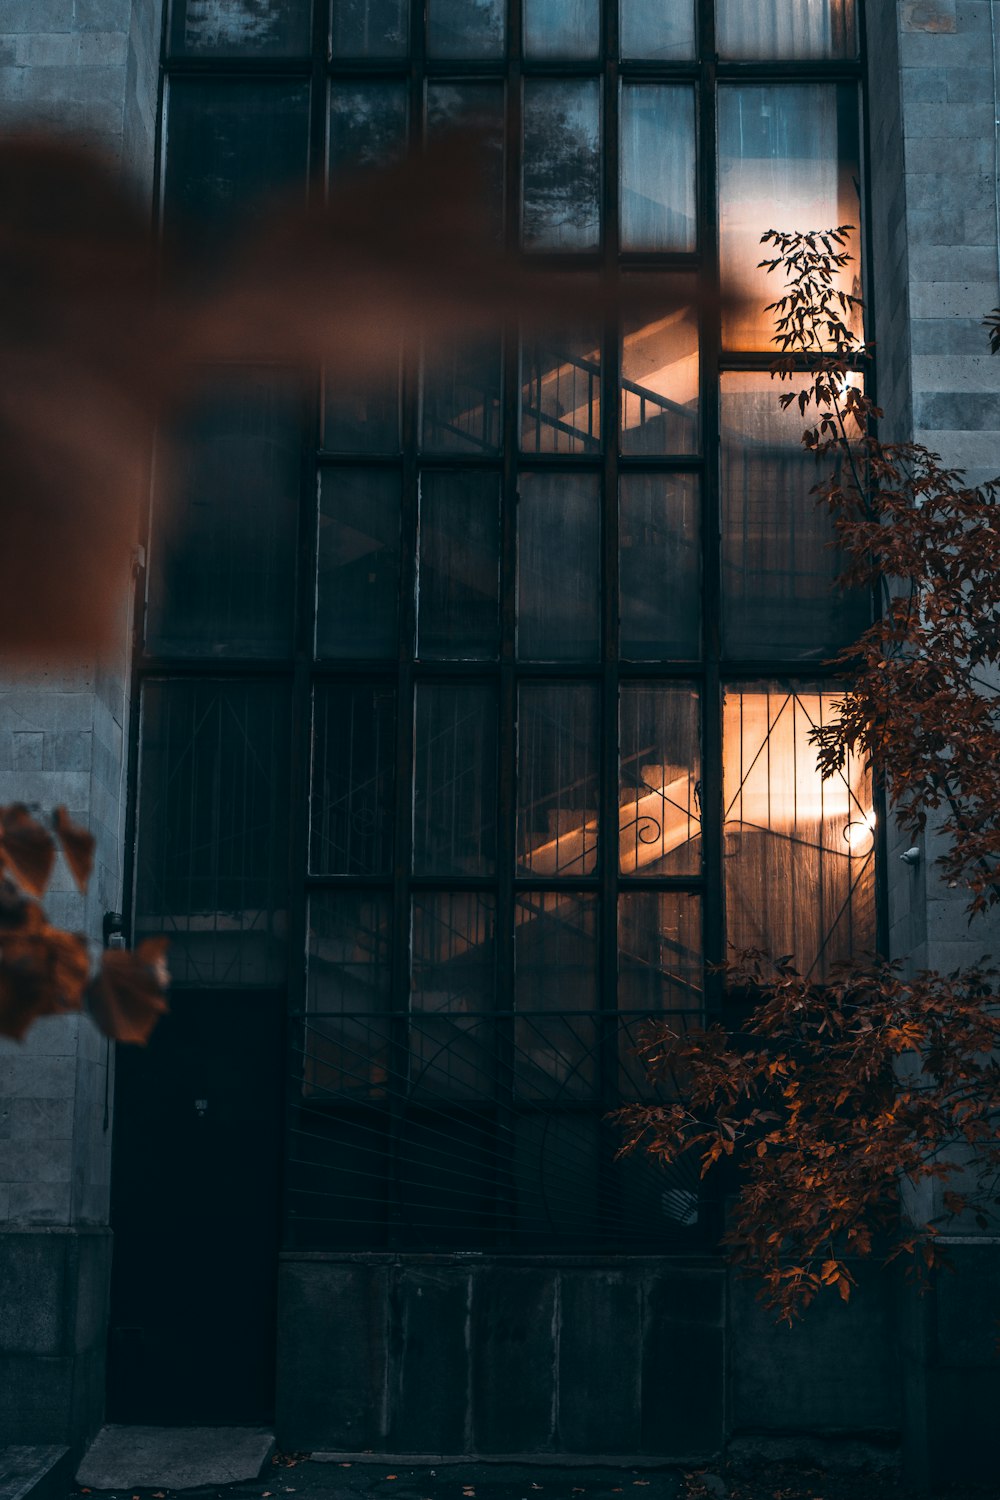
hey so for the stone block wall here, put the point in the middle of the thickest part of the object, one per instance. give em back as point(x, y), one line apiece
point(470, 1354)
point(88, 68)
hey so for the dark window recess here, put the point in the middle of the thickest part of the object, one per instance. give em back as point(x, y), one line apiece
point(559, 567)
point(212, 859)
point(351, 799)
point(225, 522)
point(458, 614)
point(454, 780)
point(658, 538)
point(461, 396)
point(232, 145)
point(358, 560)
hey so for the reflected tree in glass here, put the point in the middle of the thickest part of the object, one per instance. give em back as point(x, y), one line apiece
point(369, 28)
point(241, 28)
point(561, 177)
point(465, 28)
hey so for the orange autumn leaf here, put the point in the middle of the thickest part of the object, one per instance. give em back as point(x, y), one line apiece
point(77, 845)
point(42, 972)
point(26, 847)
point(127, 997)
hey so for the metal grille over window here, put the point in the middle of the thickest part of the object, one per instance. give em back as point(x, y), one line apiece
point(477, 699)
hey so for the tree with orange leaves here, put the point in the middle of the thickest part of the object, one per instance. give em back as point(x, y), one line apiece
point(834, 1103)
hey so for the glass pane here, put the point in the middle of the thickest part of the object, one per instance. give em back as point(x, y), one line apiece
point(459, 567)
point(346, 1044)
point(455, 780)
point(657, 31)
point(659, 566)
point(240, 28)
point(779, 596)
point(367, 125)
point(657, 167)
point(786, 28)
point(452, 994)
point(559, 567)
point(562, 166)
point(557, 784)
point(788, 160)
point(453, 958)
point(465, 28)
point(800, 856)
point(351, 807)
point(478, 110)
point(222, 553)
point(562, 28)
point(361, 416)
point(659, 353)
point(229, 144)
point(561, 392)
point(659, 951)
point(212, 861)
point(349, 953)
point(358, 560)
point(462, 397)
point(555, 993)
point(659, 815)
point(369, 28)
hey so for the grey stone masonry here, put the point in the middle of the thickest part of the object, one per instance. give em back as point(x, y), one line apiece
point(936, 276)
point(88, 68)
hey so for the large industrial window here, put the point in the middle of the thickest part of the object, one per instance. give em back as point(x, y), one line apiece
point(475, 708)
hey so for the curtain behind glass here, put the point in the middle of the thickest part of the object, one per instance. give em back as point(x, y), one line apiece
point(788, 29)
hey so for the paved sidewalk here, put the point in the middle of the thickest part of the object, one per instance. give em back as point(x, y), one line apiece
point(300, 1477)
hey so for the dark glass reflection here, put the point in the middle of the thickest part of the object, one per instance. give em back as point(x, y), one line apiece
point(353, 772)
point(225, 518)
point(358, 561)
point(459, 566)
point(559, 567)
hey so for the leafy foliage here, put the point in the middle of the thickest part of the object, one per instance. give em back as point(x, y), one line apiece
point(833, 1100)
point(830, 1101)
point(45, 971)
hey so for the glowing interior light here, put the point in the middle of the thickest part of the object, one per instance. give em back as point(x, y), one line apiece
point(860, 832)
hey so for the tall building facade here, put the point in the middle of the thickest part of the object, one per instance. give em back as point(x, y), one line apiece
point(461, 726)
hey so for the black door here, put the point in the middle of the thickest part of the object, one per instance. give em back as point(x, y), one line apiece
point(195, 1213)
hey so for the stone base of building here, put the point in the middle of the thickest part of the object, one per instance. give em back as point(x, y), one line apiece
point(950, 1346)
point(53, 1333)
